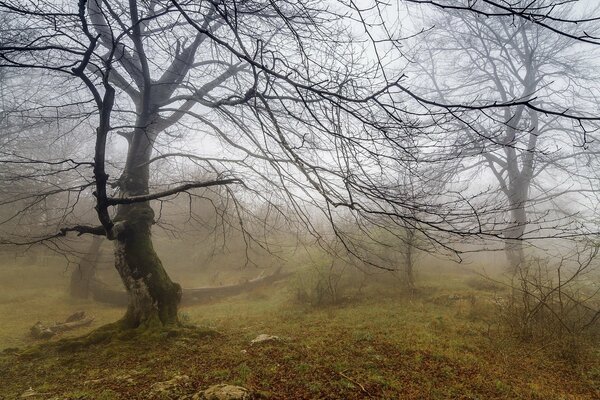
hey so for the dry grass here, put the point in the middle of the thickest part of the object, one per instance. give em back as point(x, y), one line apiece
point(384, 345)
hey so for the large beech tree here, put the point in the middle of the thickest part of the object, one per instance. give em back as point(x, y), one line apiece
point(261, 79)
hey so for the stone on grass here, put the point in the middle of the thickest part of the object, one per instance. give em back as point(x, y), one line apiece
point(30, 393)
point(262, 338)
point(170, 385)
point(224, 392)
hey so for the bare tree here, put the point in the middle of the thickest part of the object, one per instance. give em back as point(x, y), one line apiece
point(232, 69)
point(530, 155)
point(547, 14)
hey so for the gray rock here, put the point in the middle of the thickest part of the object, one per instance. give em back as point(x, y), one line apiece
point(170, 385)
point(262, 338)
point(224, 392)
point(31, 393)
point(40, 331)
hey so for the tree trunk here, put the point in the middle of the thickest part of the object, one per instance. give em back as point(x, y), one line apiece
point(408, 260)
point(513, 243)
point(82, 276)
point(153, 297)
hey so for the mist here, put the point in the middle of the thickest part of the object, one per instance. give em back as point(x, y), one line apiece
point(299, 199)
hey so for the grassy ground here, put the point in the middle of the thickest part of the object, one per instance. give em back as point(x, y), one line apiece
point(381, 345)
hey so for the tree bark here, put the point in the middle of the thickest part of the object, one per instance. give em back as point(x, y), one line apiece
point(153, 297)
point(408, 260)
point(513, 243)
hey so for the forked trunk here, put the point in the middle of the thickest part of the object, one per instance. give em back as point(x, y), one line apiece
point(153, 297)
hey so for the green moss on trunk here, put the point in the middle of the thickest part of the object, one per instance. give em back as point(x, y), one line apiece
point(153, 297)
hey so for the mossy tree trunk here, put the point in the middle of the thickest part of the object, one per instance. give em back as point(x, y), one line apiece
point(153, 297)
point(149, 85)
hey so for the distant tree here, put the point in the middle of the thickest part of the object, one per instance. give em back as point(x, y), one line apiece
point(534, 158)
point(547, 14)
point(83, 274)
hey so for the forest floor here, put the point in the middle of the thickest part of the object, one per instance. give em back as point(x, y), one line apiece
point(382, 344)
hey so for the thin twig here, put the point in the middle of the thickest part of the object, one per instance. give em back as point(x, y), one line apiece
point(356, 383)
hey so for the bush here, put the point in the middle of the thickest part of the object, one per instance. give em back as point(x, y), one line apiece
point(328, 282)
point(483, 284)
point(552, 305)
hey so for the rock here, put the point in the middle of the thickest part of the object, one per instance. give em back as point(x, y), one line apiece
point(31, 393)
point(77, 320)
point(78, 316)
point(40, 331)
point(262, 338)
point(224, 392)
point(167, 386)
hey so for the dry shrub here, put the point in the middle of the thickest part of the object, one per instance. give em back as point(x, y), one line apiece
point(553, 305)
point(327, 282)
point(483, 284)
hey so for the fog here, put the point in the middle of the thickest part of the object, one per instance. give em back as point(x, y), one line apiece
point(299, 199)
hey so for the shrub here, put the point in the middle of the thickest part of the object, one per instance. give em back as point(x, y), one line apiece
point(483, 284)
point(551, 304)
point(328, 282)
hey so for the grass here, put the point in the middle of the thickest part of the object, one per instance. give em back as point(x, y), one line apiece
point(381, 345)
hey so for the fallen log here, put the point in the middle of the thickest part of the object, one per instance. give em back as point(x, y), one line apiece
point(106, 294)
point(77, 320)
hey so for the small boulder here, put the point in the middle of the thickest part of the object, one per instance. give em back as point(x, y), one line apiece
point(170, 385)
point(262, 338)
point(40, 331)
point(224, 392)
point(78, 316)
point(30, 393)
